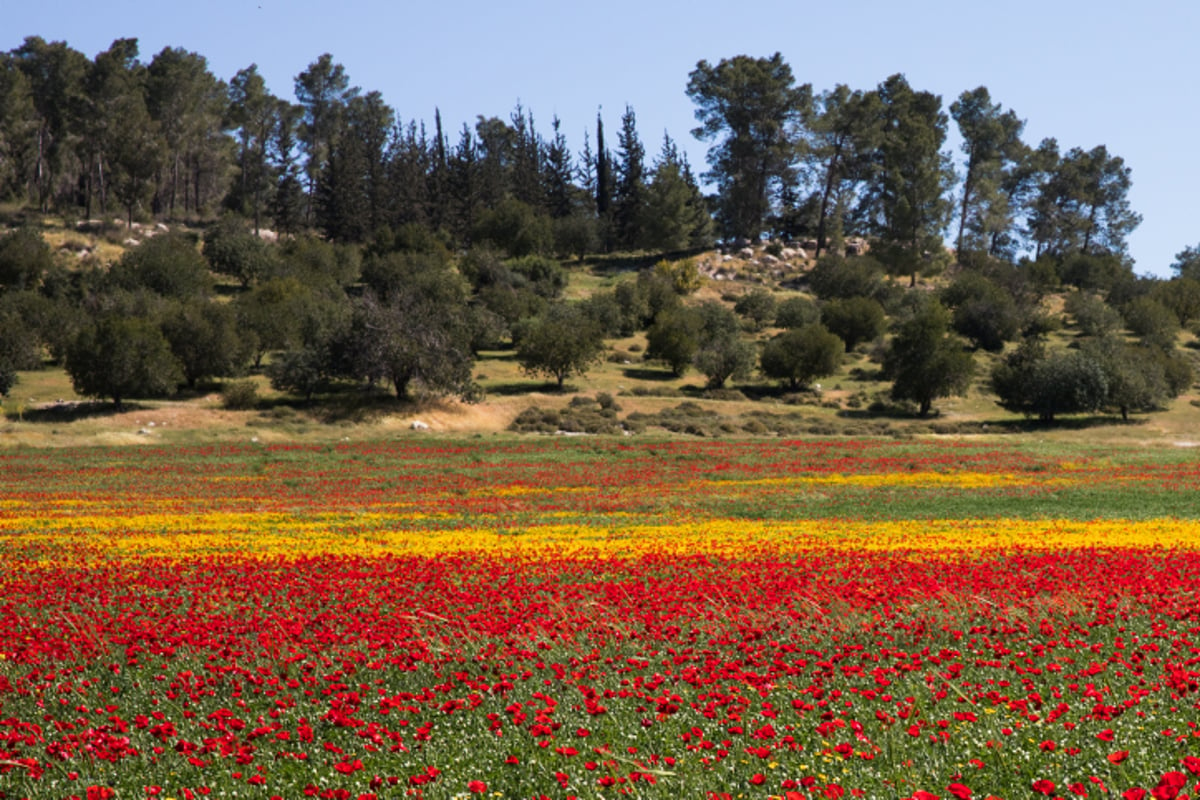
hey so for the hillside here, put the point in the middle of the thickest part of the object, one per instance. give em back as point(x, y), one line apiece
point(646, 398)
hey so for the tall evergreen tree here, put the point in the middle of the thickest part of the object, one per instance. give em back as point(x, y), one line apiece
point(135, 154)
point(844, 130)
point(629, 197)
point(323, 90)
point(585, 170)
point(603, 171)
point(463, 183)
point(495, 146)
point(526, 176)
point(993, 147)
point(675, 214)
point(752, 109)
point(913, 178)
point(55, 75)
point(287, 208)
point(1083, 207)
point(353, 196)
point(437, 171)
point(112, 88)
point(559, 174)
point(254, 115)
point(418, 178)
point(1019, 186)
point(19, 127)
point(188, 103)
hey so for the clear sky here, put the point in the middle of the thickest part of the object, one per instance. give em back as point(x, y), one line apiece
point(1087, 72)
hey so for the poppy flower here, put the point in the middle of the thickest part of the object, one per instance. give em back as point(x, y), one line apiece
point(1169, 786)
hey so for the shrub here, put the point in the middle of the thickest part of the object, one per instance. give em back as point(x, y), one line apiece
point(854, 320)
point(757, 306)
point(1092, 315)
point(1153, 322)
point(582, 415)
point(796, 312)
point(984, 312)
point(835, 276)
point(684, 276)
point(239, 395)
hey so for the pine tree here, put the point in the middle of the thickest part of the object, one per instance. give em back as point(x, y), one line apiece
point(463, 186)
point(911, 202)
point(603, 172)
point(323, 90)
point(751, 108)
point(526, 174)
point(629, 197)
point(993, 146)
point(559, 174)
point(253, 112)
point(287, 207)
point(675, 217)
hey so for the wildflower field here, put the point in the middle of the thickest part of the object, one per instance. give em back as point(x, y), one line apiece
point(598, 619)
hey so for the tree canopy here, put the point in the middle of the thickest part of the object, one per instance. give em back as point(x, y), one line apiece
point(751, 109)
point(925, 361)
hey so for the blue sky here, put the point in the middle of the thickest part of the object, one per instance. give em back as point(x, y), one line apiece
point(1121, 74)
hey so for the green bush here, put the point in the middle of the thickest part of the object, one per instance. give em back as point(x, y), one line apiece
point(239, 396)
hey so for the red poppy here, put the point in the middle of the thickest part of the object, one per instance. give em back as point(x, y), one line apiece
point(1169, 786)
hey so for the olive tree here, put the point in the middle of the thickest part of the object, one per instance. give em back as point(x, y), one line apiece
point(925, 361)
point(799, 355)
point(122, 357)
point(564, 341)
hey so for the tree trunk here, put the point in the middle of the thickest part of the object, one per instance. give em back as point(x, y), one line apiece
point(1087, 237)
point(825, 195)
point(196, 174)
point(962, 219)
point(100, 187)
point(87, 197)
point(41, 169)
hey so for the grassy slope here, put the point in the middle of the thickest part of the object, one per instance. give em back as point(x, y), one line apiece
point(34, 417)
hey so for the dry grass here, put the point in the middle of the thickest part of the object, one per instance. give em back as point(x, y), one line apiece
point(43, 411)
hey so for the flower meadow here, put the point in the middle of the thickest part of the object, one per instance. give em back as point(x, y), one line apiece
point(598, 619)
